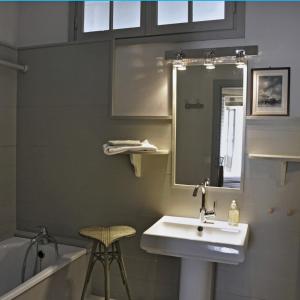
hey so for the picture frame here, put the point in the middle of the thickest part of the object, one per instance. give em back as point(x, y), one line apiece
point(270, 92)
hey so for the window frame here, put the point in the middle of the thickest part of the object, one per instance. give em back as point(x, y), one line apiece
point(78, 25)
point(233, 26)
point(190, 26)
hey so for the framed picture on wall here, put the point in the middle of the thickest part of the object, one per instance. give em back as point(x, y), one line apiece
point(270, 92)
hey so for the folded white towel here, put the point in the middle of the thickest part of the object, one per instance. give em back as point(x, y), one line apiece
point(145, 147)
point(124, 143)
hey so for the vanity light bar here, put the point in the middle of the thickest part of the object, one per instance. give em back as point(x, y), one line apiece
point(240, 58)
point(198, 54)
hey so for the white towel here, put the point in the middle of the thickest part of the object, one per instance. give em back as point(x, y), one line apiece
point(145, 147)
point(124, 143)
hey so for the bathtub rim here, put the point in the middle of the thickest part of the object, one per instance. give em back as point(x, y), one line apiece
point(41, 276)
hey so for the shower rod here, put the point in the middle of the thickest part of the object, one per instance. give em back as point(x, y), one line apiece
point(11, 65)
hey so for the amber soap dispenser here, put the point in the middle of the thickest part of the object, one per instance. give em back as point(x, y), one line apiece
point(234, 214)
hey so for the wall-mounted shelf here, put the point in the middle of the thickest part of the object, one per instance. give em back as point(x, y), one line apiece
point(272, 120)
point(268, 118)
point(136, 159)
point(143, 118)
point(284, 160)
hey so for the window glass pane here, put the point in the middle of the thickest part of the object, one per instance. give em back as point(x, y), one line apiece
point(96, 16)
point(127, 14)
point(172, 12)
point(208, 10)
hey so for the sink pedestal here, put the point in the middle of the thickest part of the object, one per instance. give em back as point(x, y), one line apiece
point(196, 279)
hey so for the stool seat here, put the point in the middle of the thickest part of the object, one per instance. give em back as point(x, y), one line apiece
point(107, 235)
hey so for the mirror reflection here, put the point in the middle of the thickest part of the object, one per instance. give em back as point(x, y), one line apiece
point(209, 125)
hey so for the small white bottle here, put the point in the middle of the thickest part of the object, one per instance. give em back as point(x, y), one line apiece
point(234, 214)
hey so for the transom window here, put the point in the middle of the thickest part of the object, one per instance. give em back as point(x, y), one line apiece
point(174, 12)
point(208, 11)
point(117, 19)
point(108, 15)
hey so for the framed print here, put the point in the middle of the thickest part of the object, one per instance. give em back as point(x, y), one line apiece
point(270, 92)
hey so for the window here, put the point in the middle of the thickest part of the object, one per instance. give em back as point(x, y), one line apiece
point(97, 16)
point(169, 12)
point(208, 10)
point(192, 16)
point(174, 12)
point(127, 14)
point(118, 19)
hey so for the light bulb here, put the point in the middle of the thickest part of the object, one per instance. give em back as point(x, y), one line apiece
point(182, 67)
point(240, 65)
point(209, 61)
point(210, 66)
point(240, 59)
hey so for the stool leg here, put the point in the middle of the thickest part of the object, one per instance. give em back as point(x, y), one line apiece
point(89, 269)
point(106, 274)
point(122, 269)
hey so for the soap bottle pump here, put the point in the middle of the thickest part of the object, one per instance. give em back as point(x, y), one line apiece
point(234, 214)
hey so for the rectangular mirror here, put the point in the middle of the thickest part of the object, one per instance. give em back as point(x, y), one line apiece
point(208, 125)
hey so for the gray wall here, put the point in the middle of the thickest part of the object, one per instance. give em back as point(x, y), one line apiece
point(9, 23)
point(8, 103)
point(63, 119)
point(42, 23)
point(32, 23)
point(65, 182)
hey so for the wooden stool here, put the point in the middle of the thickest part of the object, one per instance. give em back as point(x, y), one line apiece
point(106, 249)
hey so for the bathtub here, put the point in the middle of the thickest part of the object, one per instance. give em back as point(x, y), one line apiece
point(59, 278)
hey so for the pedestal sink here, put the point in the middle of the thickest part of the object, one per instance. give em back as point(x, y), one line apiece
point(199, 245)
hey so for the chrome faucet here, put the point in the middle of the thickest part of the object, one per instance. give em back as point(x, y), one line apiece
point(204, 212)
point(43, 238)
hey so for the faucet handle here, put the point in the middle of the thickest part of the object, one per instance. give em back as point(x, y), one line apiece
point(196, 189)
point(212, 212)
point(43, 229)
point(206, 182)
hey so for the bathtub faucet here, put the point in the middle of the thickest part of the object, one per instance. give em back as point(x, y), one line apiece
point(44, 238)
point(41, 238)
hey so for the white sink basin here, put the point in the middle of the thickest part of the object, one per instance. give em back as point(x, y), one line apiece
point(216, 242)
point(178, 236)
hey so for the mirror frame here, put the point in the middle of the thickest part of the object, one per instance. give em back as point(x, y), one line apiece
point(174, 111)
